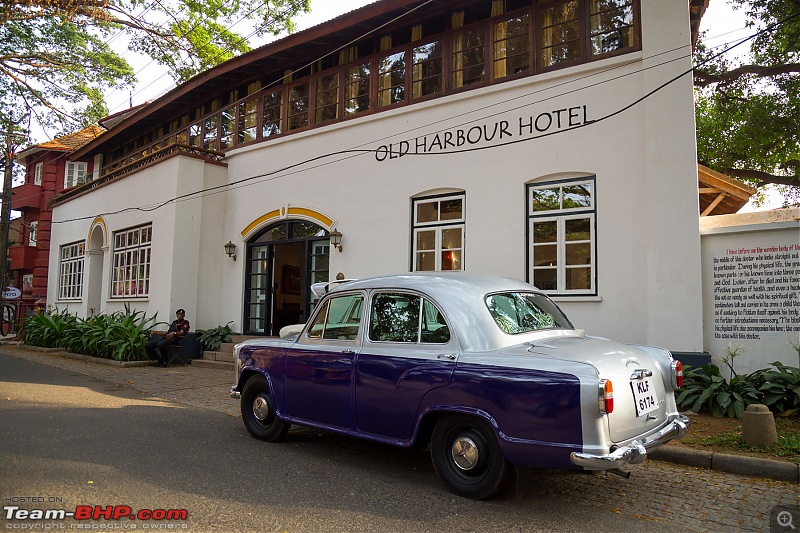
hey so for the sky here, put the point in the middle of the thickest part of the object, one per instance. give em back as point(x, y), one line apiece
point(723, 25)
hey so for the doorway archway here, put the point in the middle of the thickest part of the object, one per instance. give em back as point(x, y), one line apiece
point(283, 260)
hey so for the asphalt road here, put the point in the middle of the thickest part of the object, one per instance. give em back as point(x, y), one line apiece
point(74, 440)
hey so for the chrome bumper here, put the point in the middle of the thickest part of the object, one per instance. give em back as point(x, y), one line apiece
point(235, 394)
point(636, 451)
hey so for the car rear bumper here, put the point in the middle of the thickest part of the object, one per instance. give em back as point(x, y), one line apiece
point(636, 451)
point(235, 394)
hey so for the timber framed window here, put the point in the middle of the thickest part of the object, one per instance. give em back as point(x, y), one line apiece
point(75, 173)
point(132, 251)
point(438, 233)
point(561, 237)
point(37, 173)
point(70, 271)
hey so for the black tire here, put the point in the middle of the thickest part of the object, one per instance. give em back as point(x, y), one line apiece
point(258, 411)
point(467, 457)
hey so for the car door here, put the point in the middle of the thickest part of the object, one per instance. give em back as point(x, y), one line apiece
point(319, 366)
point(407, 350)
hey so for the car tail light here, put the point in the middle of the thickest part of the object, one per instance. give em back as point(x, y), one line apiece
point(606, 396)
point(677, 374)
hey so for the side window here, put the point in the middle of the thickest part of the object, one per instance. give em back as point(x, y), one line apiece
point(433, 328)
point(338, 319)
point(406, 318)
point(395, 318)
point(317, 327)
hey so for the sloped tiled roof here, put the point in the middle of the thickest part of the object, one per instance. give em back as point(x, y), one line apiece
point(67, 143)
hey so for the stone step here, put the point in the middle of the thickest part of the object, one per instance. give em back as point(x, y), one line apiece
point(216, 365)
point(226, 347)
point(225, 357)
point(236, 339)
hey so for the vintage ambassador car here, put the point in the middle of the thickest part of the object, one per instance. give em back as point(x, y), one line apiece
point(486, 370)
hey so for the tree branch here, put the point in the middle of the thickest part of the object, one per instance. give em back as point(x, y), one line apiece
point(763, 177)
point(703, 78)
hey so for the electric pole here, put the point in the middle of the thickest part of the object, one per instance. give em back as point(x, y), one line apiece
point(5, 213)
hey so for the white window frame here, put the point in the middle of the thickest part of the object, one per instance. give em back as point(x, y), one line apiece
point(438, 226)
point(37, 173)
point(561, 215)
point(130, 277)
point(70, 271)
point(33, 231)
point(75, 173)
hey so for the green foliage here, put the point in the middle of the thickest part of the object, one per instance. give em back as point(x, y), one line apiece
point(49, 330)
point(748, 110)
point(120, 336)
point(210, 339)
point(704, 389)
point(780, 388)
point(56, 61)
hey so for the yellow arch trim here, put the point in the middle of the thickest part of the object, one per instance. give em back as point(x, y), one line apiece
point(95, 223)
point(287, 212)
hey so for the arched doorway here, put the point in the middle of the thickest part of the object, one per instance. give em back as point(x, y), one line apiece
point(94, 269)
point(283, 260)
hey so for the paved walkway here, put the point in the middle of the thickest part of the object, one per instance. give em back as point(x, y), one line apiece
point(198, 387)
point(702, 499)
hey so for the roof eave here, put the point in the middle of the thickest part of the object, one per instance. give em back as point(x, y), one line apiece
point(348, 19)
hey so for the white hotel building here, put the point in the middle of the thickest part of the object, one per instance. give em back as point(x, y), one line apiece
point(549, 141)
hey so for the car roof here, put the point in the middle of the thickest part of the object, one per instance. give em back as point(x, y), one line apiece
point(436, 283)
point(460, 297)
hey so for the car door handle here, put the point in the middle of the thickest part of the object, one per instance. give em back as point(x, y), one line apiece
point(349, 352)
point(448, 356)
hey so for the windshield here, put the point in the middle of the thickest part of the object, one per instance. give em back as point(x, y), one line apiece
point(523, 312)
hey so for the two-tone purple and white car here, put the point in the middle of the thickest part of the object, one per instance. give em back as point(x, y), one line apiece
point(487, 370)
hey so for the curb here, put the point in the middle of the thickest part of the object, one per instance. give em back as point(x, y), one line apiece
point(735, 464)
point(80, 357)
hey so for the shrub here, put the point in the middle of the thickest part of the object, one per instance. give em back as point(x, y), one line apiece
point(210, 339)
point(48, 330)
point(780, 388)
point(120, 336)
point(704, 389)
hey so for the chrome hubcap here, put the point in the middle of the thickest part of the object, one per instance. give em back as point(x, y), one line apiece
point(465, 453)
point(260, 408)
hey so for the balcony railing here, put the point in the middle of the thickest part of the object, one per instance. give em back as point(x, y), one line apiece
point(113, 172)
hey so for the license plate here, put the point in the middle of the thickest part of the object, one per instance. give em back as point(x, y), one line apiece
point(644, 395)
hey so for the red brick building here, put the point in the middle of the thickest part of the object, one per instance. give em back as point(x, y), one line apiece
point(48, 171)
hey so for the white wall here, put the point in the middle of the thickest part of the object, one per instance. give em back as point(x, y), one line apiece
point(751, 287)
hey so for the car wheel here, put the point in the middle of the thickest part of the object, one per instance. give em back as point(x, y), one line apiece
point(467, 457)
point(258, 411)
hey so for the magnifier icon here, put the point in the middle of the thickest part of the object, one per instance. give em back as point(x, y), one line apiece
point(785, 519)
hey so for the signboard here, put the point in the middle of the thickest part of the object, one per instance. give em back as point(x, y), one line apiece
point(11, 293)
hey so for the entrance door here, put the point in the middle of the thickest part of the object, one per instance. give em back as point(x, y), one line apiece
point(282, 263)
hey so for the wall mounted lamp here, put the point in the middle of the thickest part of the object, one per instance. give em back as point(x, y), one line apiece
point(230, 249)
point(336, 239)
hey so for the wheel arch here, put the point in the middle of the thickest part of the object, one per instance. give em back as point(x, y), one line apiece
point(433, 415)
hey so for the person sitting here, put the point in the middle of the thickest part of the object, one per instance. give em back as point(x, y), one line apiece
point(157, 347)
